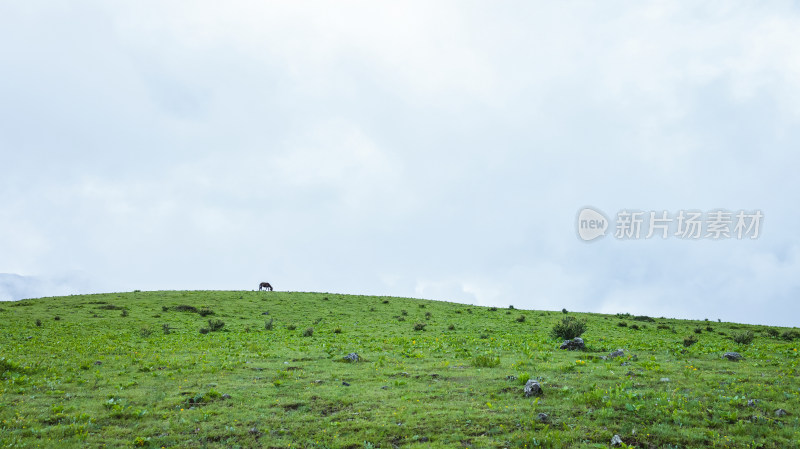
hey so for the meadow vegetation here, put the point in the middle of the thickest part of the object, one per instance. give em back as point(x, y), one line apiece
point(269, 369)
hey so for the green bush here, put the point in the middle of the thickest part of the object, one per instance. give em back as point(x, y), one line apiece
point(743, 338)
point(215, 325)
point(419, 326)
point(308, 332)
point(268, 324)
point(486, 361)
point(521, 319)
point(690, 340)
point(569, 328)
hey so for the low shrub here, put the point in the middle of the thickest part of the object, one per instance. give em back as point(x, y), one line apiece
point(644, 318)
point(569, 328)
point(205, 311)
point(743, 338)
point(622, 324)
point(521, 319)
point(215, 325)
point(790, 335)
point(308, 332)
point(419, 326)
point(486, 361)
point(291, 327)
point(690, 340)
point(451, 327)
point(268, 324)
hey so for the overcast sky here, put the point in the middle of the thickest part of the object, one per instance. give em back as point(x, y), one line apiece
point(439, 150)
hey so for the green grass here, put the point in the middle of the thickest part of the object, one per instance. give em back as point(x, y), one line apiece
point(96, 378)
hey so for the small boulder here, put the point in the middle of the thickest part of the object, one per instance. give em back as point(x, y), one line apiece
point(532, 388)
point(574, 344)
point(732, 356)
point(352, 357)
point(617, 353)
point(616, 441)
point(543, 418)
point(665, 379)
point(226, 396)
point(752, 402)
point(781, 412)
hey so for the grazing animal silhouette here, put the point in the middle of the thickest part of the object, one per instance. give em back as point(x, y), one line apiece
point(264, 286)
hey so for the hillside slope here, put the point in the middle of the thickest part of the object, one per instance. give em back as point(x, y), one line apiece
point(134, 369)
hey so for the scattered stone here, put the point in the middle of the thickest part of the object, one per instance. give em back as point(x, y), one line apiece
point(265, 313)
point(352, 357)
point(617, 353)
point(98, 363)
point(616, 441)
point(424, 439)
point(574, 344)
point(732, 356)
point(345, 384)
point(752, 402)
point(254, 431)
point(532, 388)
point(543, 418)
point(625, 364)
point(385, 387)
point(317, 382)
point(665, 379)
point(511, 378)
point(226, 396)
point(781, 412)
point(630, 373)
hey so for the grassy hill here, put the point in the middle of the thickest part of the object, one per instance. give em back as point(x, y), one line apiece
point(134, 370)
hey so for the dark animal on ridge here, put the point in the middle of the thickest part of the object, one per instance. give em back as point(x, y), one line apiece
point(264, 286)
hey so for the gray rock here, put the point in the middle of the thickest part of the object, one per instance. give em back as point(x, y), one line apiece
point(624, 363)
point(352, 357)
point(543, 418)
point(226, 396)
point(616, 441)
point(752, 402)
point(732, 356)
point(511, 378)
point(532, 388)
point(781, 412)
point(665, 379)
point(574, 344)
point(617, 353)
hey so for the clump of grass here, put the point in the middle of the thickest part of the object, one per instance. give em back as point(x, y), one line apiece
point(790, 335)
point(216, 325)
point(165, 327)
point(422, 306)
point(521, 319)
point(38, 323)
point(690, 340)
point(57, 318)
point(268, 324)
point(291, 327)
point(709, 329)
point(205, 311)
point(743, 338)
point(698, 330)
point(486, 361)
point(204, 330)
point(308, 332)
point(427, 315)
point(622, 324)
point(404, 312)
point(663, 326)
point(451, 327)
point(337, 330)
point(184, 308)
point(145, 332)
point(124, 313)
point(635, 326)
point(419, 326)
point(569, 328)
point(110, 307)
